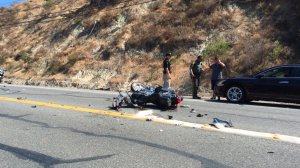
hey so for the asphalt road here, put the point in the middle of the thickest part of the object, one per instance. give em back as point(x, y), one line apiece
point(53, 127)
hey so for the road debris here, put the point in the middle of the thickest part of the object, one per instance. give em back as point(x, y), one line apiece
point(200, 115)
point(178, 124)
point(193, 111)
point(185, 106)
point(121, 100)
point(221, 123)
point(170, 117)
point(161, 130)
point(33, 106)
point(19, 98)
point(270, 152)
point(148, 119)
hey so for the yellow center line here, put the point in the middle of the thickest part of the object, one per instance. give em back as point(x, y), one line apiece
point(75, 108)
point(275, 137)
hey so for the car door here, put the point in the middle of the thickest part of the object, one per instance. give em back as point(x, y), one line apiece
point(294, 89)
point(273, 83)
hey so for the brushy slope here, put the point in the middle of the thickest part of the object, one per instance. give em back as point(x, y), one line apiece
point(109, 44)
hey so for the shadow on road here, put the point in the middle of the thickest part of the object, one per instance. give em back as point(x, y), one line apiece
point(42, 159)
point(48, 161)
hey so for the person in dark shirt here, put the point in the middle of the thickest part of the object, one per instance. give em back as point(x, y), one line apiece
point(1, 74)
point(195, 72)
point(216, 73)
point(167, 71)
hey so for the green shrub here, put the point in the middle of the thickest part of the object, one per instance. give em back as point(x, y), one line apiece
point(48, 4)
point(217, 48)
point(54, 67)
point(174, 58)
point(73, 58)
point(277, 50)
point(24, 57)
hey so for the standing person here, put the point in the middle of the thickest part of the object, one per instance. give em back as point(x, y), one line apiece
point(196, 71)
point(216, 74)
point(167, 71)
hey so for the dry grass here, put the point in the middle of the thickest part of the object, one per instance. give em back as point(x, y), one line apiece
point(256, 36)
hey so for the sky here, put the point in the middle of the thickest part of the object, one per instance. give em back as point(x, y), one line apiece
point(7, 3)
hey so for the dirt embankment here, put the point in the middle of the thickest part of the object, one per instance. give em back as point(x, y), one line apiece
point(110, 44)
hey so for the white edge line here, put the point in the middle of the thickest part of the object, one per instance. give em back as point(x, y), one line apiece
point(276, 137)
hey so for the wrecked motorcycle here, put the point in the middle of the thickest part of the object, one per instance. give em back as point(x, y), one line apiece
point(121, 100)
point(140, 95)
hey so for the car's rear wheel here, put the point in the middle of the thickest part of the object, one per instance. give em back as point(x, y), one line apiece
point(235, 94)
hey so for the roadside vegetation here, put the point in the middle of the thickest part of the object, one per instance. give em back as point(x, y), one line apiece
point(59, 40)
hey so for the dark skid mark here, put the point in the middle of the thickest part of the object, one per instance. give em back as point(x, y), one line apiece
point(4, 89)
point(10, 91)
point(205, 163)
point(19, 118)
point(73, 94)
point(45, 160)
point(70, 94)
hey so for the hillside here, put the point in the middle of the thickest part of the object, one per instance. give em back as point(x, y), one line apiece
point(108, 44)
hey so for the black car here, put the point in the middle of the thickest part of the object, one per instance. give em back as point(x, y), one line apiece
point(280, 83)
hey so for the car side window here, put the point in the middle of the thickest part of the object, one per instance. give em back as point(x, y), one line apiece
point(296, 72)
point(278, 73)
